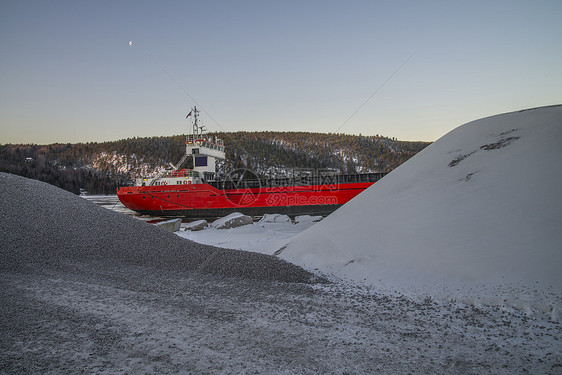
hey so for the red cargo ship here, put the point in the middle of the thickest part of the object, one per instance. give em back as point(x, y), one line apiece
point(198, 193)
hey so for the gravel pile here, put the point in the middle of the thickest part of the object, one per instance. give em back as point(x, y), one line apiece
point(86, 290)
point(44, 225)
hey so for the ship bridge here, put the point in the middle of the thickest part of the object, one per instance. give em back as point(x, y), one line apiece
point(205, 150)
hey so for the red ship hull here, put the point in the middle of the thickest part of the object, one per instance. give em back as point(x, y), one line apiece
point(208, 200)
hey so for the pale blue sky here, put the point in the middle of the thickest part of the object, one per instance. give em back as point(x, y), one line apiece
point(68, 74)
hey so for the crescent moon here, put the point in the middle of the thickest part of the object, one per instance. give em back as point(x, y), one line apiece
point(130, 42)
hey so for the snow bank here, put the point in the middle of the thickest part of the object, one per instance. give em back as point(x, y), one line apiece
point(196, 225)
point(265, 237)
point(478, 211)
point(172, 225)
point(275, 218)
point(234, 220)
point(307, 218)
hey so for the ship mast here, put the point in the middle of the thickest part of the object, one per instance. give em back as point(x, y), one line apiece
point(204, 150)
point(197, 131)
point(195, 113)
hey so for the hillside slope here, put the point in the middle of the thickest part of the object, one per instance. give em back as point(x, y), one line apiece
point(479, 210)
point(99, 168)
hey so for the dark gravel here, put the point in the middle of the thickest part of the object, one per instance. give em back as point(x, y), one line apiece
point(87, 290)
point(44, 225)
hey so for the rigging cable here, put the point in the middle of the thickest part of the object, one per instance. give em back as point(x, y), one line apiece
point(375, 92)
point(179, 85)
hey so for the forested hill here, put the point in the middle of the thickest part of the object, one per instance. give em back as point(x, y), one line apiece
point(99, 168)
point(264, 151)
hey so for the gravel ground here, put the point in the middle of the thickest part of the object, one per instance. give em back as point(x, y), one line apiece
point(86, 290)
point(43, 225)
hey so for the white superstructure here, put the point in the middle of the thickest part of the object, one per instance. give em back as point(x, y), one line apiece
point(204, 152)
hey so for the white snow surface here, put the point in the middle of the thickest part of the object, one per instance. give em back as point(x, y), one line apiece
point(477, 215)
point(275, 218)
point(265, 236)
point(227, 221)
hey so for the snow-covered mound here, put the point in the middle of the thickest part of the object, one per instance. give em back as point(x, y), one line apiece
point(234, 220)
point(479, 208)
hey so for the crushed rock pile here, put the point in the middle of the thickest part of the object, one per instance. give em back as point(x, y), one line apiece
point(44, 225)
